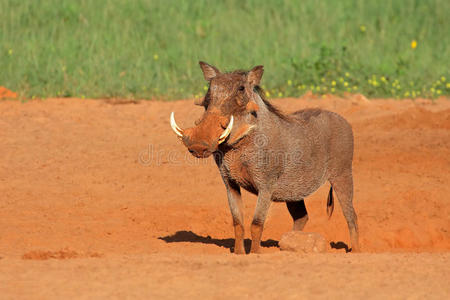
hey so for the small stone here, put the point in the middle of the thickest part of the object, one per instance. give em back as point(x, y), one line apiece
point(303, 242)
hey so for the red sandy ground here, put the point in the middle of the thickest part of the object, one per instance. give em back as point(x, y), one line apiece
point(100, 199)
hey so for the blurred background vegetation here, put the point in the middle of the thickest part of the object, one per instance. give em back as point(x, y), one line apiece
point(150, 49)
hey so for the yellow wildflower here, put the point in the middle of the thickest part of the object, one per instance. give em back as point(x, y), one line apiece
point(10, 51)
point(267, 94)
point(333, 83)
point(205, 88)
point(443, 79)
point(289, 82)
point(362, 28)
point(155, 56)
point(413, 44)
point(439, 92)
point(280, 94)
point(333, 90)
point(345, 83)
point(448, 85)
point(347, 74)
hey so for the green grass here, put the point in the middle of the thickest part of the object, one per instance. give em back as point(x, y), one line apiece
point(151, 49)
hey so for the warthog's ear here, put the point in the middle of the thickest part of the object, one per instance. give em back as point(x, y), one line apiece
point(255, 74)
point(209, 72)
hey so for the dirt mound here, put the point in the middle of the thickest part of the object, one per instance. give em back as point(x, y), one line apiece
point(7, 94)
point(61, 254)
point(416, 118)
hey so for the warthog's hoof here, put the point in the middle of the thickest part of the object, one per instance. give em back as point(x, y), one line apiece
point(304, 242)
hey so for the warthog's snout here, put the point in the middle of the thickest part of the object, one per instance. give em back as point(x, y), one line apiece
point(198, 149)
point(205, 138)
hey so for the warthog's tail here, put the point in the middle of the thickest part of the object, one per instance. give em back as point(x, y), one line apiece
point(330, 203)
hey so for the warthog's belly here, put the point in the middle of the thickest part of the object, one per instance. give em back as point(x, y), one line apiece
point(299, 180)
point(294, 190)
point(291, 184)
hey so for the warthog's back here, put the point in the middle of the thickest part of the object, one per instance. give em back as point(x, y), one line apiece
point(324, 140)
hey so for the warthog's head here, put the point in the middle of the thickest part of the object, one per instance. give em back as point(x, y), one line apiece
point(230, 110)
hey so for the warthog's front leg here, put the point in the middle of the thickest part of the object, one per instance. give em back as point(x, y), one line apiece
point(235, 203)
point(262, 208)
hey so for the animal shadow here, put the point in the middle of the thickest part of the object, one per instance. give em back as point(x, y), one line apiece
point(189, 236)
point(340, 245)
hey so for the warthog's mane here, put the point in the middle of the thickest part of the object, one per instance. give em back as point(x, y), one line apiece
point(260, 91)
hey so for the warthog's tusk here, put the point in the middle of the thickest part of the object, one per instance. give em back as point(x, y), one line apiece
point(178, 131)
point(227, 131)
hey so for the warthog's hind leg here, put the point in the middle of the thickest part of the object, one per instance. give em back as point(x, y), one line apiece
point(298, 212)
point(343, 186)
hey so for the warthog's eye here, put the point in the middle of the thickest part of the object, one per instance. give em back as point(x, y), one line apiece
point(241, 88)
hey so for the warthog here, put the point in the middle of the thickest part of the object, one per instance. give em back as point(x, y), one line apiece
point(276, 156)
